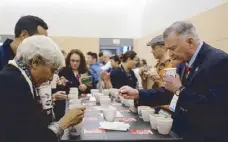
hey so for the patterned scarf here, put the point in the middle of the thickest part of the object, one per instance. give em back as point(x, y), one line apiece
point(22, 65)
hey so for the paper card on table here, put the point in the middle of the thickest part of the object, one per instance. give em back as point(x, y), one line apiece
point(94, 131)
point(90, 118)
point(141, 132)
point(118, 126)
point(123, 119)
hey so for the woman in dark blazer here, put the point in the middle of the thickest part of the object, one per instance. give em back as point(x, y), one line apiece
point(22, 118)
point(74, 71)
point(124, 75)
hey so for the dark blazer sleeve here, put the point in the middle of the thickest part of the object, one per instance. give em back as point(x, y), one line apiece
point(155, 97)
point(21, 120)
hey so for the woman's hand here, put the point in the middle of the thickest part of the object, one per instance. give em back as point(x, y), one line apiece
point(62, 81)
point(60, 95)
point(72, 117)
point(82, 87)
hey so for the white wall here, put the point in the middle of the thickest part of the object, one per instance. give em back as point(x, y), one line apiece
point(83, 18)
point(101, 18)
point(159, 14)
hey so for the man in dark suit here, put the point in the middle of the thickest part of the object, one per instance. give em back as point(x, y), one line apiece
point(200, 114)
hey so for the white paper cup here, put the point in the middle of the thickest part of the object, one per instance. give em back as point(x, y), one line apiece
point(76, 130)
point(54, 81)
point(72, 96)
point(164, 125)
point(146, 113)
point(140, 108)
point(171, 71)
point(73, 89)
point(105, 102)
point(113, 92)
point(109, 114)
point(97, 97)
point(121, 99)
point(93, 91)
point(106, 92)
point(153, 120)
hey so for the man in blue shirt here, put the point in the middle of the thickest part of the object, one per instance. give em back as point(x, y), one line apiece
point(26, 26)
point(94, 67)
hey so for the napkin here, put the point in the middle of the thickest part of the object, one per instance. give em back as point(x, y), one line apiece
point(118, 126)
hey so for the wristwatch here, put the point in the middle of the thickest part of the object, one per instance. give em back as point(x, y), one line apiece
point(177, 93)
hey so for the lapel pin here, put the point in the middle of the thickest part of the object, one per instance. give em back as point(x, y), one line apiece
point(197, 69)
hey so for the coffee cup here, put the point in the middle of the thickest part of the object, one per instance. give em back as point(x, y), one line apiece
point(106, 92)
point(113, 92)
point(164, 125)
point(121, 99)
point(105, 102)
point(93, 91)
point(72, 96)
point(171, 71)
point(153, 120)
point(109, 114)
point(97, 97)
point(140, 108)
point(146, 113)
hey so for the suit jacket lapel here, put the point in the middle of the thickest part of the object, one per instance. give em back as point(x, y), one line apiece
point(197, 66)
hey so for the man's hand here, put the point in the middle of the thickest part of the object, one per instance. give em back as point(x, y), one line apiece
point(129, 93)
point(172, 84)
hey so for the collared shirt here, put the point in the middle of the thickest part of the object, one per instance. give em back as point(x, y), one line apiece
point(195, 55)
point(95, 71)
point(6, 53)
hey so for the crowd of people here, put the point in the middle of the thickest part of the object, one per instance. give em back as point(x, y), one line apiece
point(36, 76)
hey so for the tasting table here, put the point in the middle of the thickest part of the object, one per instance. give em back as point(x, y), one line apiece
point(138, 131)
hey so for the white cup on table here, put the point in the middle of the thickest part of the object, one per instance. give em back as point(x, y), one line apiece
point(146, 113)
point(106, 92)
point(153, 120)
point(105, 102)
point(164, 125)
point(140, 108)
point(109, 114)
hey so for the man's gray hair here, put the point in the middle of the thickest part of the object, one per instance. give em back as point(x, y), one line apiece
point(40, 46)
point(182, 28)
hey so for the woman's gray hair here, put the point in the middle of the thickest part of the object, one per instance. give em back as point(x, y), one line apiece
point(182, 28)
point(40, 46)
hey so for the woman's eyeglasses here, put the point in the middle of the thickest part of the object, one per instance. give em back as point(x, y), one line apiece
point(77, 61)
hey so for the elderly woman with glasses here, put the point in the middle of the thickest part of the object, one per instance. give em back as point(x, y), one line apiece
point(22, 119)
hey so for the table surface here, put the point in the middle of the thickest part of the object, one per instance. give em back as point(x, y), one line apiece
point(91, 121)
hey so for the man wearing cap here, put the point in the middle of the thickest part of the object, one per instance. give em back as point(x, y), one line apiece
point(161, 54)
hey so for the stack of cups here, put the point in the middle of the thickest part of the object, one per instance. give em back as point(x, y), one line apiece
point(74, 102)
